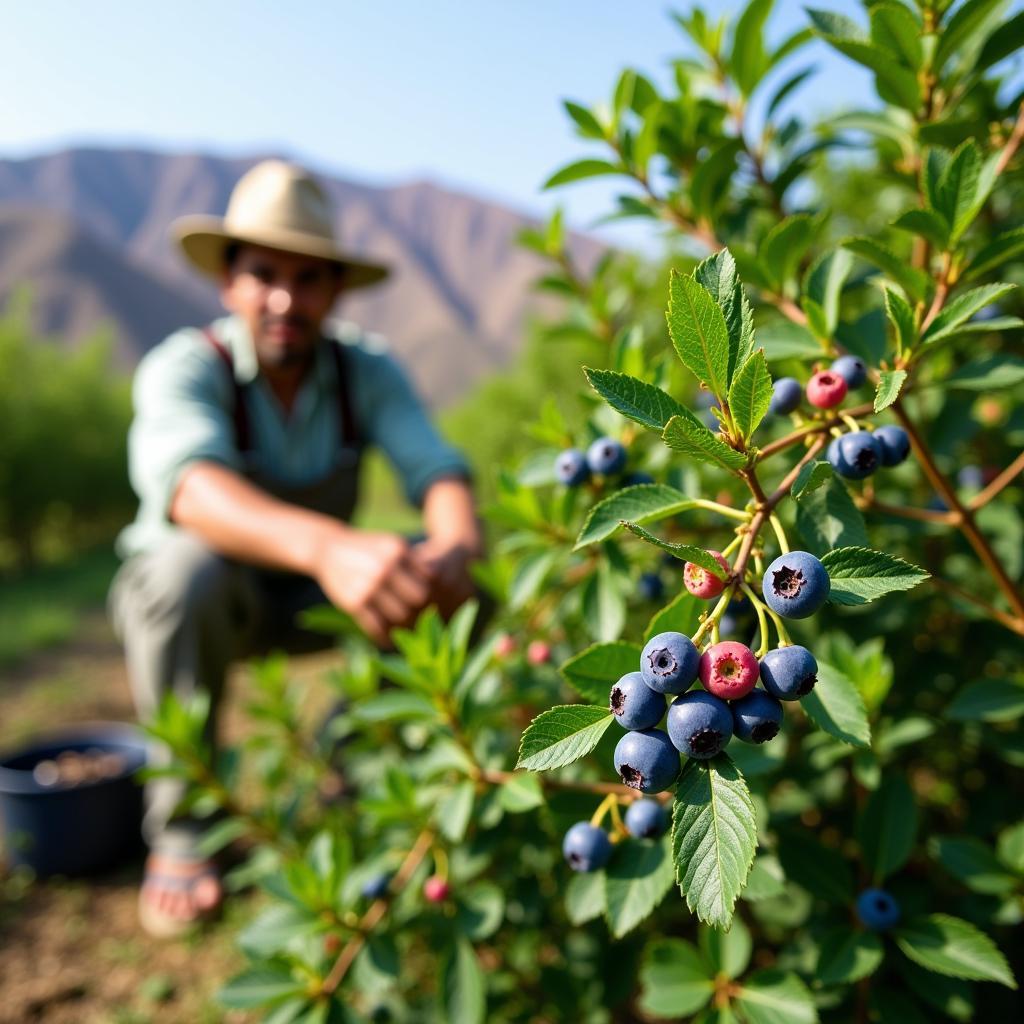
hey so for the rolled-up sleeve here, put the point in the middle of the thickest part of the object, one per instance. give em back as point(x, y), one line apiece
point(182, 400)
point(396, 421)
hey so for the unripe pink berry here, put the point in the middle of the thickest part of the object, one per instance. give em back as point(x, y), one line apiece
point(538, 653)
point(436, 890)
point(826, 389)
point(504, 646)
point(700, 582)
point(729, 670)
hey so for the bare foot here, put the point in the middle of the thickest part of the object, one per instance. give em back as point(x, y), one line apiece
point(177, 892)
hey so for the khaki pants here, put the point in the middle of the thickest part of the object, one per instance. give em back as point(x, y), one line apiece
point(184, 613)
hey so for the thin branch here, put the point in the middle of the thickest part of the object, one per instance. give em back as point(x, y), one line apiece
point(983, 497)
point(1016, 625)
point(922, 515)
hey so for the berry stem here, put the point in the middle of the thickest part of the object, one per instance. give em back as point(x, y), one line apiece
point(603, 808)
point(723, 510)
point(762, 622)
point(441, 863)
point(779, 533)
point(715, 614)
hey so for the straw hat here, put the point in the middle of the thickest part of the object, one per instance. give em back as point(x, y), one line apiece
point(281, 206)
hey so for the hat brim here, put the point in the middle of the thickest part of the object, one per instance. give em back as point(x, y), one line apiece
point(204, 240)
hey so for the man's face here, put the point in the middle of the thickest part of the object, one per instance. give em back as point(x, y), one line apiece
point(283, 298)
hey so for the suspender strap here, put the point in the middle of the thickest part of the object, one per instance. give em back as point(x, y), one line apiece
point(242, 438)
point(346, 414)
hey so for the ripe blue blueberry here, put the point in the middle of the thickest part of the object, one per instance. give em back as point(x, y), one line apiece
point(796, 585)
point(374, 888)
point(699, 724)
point(586, 847)
point(786, 395)
point(851, 369)
point(646, 819)
point(757, 717)
point(651, 587)
point(877, 909)
point(789, 673)
point(855, 456)
point(571, 468)
point(646, 760)
point(606, 456)
point(670, 663)
point(634, 704)
point(894, 442)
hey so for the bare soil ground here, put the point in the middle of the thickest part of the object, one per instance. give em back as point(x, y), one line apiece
point(71, 951)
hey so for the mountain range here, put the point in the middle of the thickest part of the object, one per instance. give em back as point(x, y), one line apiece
point(87, 229)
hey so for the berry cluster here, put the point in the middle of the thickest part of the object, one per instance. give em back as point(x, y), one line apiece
point(605, 457)
point(858, 454)
point(825, 390)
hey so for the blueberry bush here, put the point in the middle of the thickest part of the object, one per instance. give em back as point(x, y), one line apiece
point(773, 543)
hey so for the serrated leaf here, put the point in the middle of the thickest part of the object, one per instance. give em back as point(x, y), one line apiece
point(991, 700)
point(835, 705)
point(827, 518)
point(998, 251)
point(462, 988)
point(593, 672)
point(913, 281)
point(959, 187)
point(697, 327)
point(561, 735)
point(584, 896)
point(685, 433)
point(962, 309)
point(846, 956)
point(675, 980)
point(973, 863)
point(714, 836)
point(637, 879)
point(951, 946)
point(812, 475)
point(644, 503)
point(636, 399)
point(685, 552)
point(929, 224)
point(889, 384)
point(888, 827)
point(750, 394)
point(901, 316)
point(860, 575)
point(718, 274)
point(579, 170)
point(776, 997)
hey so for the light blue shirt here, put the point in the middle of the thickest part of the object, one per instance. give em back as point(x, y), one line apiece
point(183, 403)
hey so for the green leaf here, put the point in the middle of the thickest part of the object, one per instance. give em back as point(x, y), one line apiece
point(685, 433)
point(714, 836)
point(835, 705)
point(959, 188)
point(718, 274)
point(637, 879)
point(963, 308)
point(454, 811)
point(888, 390)
point(766, 880)
point(462, 988)
point(860, 575)
point(901, 316)
point(948, 945)
point(581, 169)
point(895, 83)
point(750, 394)
point(604, 604)
point(953, 997)
point(895, 29)
point(728, 952)
point(260, 986)
point(821, 870)
point(522, 792)
point(974, 863)
point(636, 399)
point(827, 518)
point(588, 124)
point(697, 327)
point(684, 552)
point(929, 224)
point(1000, 44)
point(846, 956)
point(812, 475)
point(1010, 847)
point(888, 827)
point(674, 978)
point(644, 503)
point(792, 83)
point(824, 284)
point(955, 34)
point(480, 910)
point(747, 62)
point(999, 250)
point(783, 339)
point(681, 615)
point(776, 997)
point(584, 896)
point(913, 281)
point(785, 245)
point(991, 700)
point(709, 186)
point(987, 374)
point(561, 735)
point(593, 672)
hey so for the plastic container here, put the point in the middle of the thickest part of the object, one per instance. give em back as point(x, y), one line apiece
point(55, 827)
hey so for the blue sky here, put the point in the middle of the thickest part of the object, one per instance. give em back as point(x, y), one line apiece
point(463, 92)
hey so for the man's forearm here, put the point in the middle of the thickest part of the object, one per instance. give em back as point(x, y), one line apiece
point(242, 521)
point(449, 515)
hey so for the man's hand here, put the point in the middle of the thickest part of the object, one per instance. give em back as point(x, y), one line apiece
point(374, 578)
point(448, 565)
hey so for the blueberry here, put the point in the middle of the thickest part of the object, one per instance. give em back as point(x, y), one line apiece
point(646, 819)
point(728, 670)
point(374, 888)
point(670, 663)
point(796, 585)
point(895, 444)
point(851, 369)
point(650, 587)
point(825, 390)
point(757, 717)
point(646, 760)
point(571, 468)
point(855, 456)
point(789, 673)
point(699, 724)
point(786, 395)
point(586, 847)
point(634, 704)
point(606, 456)
point(877, 909)
point(633, 479)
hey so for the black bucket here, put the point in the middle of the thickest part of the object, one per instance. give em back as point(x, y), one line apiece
point(59, 828)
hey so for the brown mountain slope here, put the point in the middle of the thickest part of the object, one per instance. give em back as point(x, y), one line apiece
point(453, 309)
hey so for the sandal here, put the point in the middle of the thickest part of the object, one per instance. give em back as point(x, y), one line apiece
point(186, 875)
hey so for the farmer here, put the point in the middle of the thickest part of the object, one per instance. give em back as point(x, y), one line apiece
point(244, 452)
